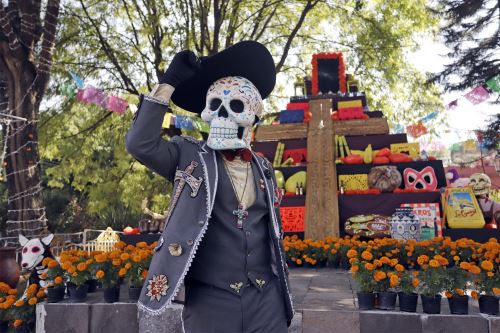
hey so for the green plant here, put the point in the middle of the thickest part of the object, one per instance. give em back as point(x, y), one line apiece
point(409, 282)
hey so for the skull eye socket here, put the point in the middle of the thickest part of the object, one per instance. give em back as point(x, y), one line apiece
point(237, 106)
point(214, 104)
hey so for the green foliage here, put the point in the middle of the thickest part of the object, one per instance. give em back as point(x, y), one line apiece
point(123, 46)
point(93, 181)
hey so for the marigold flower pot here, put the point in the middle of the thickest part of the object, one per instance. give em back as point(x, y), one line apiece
point(4, 326)
point(92, 285)
point(333, 263)
point(344, 263)
point(77, 294)
point(366, 301)
point(431, 304)
point(387, 300)
point(408, 302)
point(459, 304)
point(488, 304)
point(55, 294)
point(134, 293)
point(112, 295)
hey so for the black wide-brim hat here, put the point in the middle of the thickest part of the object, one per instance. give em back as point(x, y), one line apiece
point(248, 59)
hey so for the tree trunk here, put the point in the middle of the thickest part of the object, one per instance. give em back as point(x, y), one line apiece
point(25, 61)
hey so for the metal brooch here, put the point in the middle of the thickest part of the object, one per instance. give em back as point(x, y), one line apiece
point(260, 282)
point(175, 249)
point(262, 184)
point(236, 286)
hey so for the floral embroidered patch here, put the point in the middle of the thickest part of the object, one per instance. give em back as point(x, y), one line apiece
point(157, 287)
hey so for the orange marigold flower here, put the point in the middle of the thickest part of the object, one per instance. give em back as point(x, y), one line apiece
point(423, 259)
point(393, 262)
point(40, 294)
point(128, 265)
point(434, 263)
point(475, 270)
point(366, 255)
point(126, 256)
point(144, 274)
point(52, 264)
point(122, 272)
point(474, 294)
point(377, 262)
point(490, 274)
point(99, 274)
point(496, 291)
point(385, 260)
point(120, 245)
point(487, 265)
point(142, 245)
point(352, 253)
point(393, 281)
point(379, 275)
point(32, 301)
point(19, 303)
point(448, 294)
point(399, 268)
point(12, 292)
point(465, 265)
point(58, 280)
point(456, 258)
point(137, 258)
point(81, 266)
point(100, 258)
point(369, 266)
point(298, 262)
point(18, 323)
point(354, 268)
point(415, 283)
point(117, 262)
point(460, 292)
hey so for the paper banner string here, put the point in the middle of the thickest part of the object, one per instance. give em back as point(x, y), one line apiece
point(185, 122)
point(95, 96)
point(167, 120)
point(477, 95)
point(430, 116)
point(416, 130)
point(78, 80)
point(494, 83)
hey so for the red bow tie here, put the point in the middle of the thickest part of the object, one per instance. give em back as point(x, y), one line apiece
point(245, 154)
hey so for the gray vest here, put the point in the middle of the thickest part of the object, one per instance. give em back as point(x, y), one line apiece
point(228, 257)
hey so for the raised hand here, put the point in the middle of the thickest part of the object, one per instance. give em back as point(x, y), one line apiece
point(183, 66)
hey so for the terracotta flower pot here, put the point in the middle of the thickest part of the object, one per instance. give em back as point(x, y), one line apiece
point(366, 301)
point(387, 300)
point(134, 293)
point(431, 304)
point(9, 269)
point(112, 295)
point(459, 304)
point(408, 302)
point(488, 304)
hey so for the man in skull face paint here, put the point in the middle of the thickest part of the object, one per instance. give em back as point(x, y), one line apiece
point(223, 234)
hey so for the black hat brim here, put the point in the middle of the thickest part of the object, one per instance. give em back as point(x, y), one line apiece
point(248, 59)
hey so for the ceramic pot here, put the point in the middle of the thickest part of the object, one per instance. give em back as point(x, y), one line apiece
point(488, 304)
point(366, 301)
point(405, 225)
point(4, 326)
point(408, 302)
point(55, 294)
point(112, 295)
point(9, 269)
point(134, 293)
point(387, 300)
point(78, 294)
point(459, 304)
point(431, 304)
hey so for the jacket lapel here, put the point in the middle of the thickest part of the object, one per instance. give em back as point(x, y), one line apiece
point(209, 162)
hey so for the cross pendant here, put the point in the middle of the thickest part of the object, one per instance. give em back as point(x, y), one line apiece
point(242, 214)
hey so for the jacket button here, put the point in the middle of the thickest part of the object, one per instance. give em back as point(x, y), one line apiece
point(190, 242)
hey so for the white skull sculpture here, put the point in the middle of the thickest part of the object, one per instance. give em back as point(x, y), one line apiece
point(232, 104)
point(480, 183)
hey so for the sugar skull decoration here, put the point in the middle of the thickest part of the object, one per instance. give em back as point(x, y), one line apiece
point(420, 180)
point(480, 183)
point(231, 107)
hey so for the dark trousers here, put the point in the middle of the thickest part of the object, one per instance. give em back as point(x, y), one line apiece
point(209, 309)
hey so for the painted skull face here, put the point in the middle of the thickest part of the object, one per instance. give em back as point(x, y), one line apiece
point(232, 104)
point(420, 180)
point(33, 251)
point(480, 183)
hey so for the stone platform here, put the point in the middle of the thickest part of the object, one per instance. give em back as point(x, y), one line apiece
point(324, 299)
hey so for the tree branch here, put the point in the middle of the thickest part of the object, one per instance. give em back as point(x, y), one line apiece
point(8, 32)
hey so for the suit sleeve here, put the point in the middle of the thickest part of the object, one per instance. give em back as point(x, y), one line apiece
point(144, 142)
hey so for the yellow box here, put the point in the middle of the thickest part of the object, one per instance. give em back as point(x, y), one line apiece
point(349, 104)
point(413, 149)
point(462, 209)
point(354, 182)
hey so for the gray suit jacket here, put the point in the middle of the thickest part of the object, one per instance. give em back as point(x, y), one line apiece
point(192, 166)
